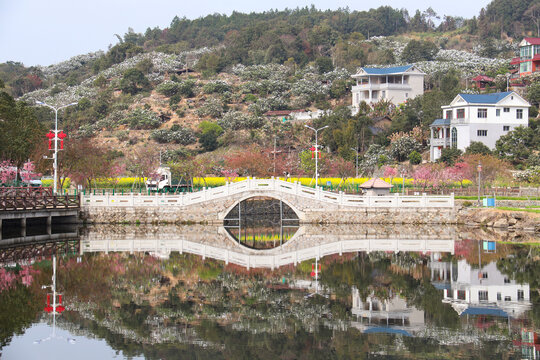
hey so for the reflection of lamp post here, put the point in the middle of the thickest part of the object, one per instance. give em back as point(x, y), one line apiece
point(479, 169)
point(316, 153)
point(353, 149)
point(55, 309)
point(55, 156)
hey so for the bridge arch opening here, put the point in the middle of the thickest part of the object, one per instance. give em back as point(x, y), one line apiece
point(261, 222)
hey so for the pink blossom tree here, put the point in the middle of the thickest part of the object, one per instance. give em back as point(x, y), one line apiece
point(389, 172)
point(423, 176)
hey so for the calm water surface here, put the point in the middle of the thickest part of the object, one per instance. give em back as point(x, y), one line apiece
point(159, 293)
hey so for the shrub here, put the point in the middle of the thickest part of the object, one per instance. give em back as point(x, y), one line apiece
point(477, 147)
point(212, 107)
point(187, 88)
point(168, 88)
point(236, 120)
point(142, 119)
point(467, 203)
point(177, 134)
point(216, 86)
point(209, 134)
point(415, 158)
point(450, 155)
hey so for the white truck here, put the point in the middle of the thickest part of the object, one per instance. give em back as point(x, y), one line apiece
point(165, 182)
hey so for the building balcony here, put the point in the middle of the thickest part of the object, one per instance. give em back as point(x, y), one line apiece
point(386, 86)
point(440, 142)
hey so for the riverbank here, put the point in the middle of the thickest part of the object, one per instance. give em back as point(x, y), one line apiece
point(501, 219)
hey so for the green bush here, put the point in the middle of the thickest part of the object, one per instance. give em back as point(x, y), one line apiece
point(168, 88)
point(415, 158)
point(142, 119)
point(177, 134)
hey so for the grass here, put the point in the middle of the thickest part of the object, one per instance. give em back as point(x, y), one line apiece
point(533, 244)
point(535, 211)
point(497, 198)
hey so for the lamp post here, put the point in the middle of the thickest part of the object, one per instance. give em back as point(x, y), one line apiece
point(316, 152)
point(479, 169)
point(55, 156)
point(353, 149)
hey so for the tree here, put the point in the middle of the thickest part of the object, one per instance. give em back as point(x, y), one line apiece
point(209, 134)
point(477, 147)
point(416, 51)
point(20, 132)
point(450, 155)
point(403, 146)
point(324, 64)
point(516, 146)
point(533, 13)
point(133, 81)
point(83, 162)
point(492, 167)
point(249, 162)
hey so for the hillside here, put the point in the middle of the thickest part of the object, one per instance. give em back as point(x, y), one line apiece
point(200, 88)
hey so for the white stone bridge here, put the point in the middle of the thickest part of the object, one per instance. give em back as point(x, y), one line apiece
point(211, 205)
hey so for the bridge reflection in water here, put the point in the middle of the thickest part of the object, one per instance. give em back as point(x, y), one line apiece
point(261, 222)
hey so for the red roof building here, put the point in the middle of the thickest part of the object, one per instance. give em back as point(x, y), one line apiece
point(529, 56)
point(482, 81)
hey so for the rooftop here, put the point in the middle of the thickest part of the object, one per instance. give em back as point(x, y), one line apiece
point(387, 71)
point(485, 98)
point(441, 122)
point(532, 41)
point(376, 183)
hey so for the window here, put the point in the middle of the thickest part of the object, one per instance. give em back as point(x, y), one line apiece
point(484, 275)
point(506, 128)
point(525, 67)
point(383, 96)
point(461, 294)
point(520, 295)
point(481, 132)
point(507, 298)
point(506, 280)
point(506, 109)
point(449, 114)
point(525, 52)
point(454, 138)
point(536, 49)
point(406, 95)
point(482, 113)
point(499, 297)
point(519, 113)
point(498, 112)
point(483, 295)
point(461, 113)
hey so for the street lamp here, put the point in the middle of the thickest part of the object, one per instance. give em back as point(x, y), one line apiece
point(55, 156)
point(353, 149)
point(316, 152)
point(479, 169)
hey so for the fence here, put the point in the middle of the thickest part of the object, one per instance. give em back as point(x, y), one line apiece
point(38, 202)
point(265, 186)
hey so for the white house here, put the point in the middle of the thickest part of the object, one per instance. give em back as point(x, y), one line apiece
point(395, 84)
point(485, 291)
point(477, 117)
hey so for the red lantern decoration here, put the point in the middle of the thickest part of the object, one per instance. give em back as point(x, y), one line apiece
point(50, 136)
point(48, 308)
point(62, 135)
point(314, 152)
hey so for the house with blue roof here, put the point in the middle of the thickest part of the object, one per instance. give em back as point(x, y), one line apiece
point(477, 117)
point(394, 84)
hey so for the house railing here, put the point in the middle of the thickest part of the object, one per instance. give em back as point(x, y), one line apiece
point(263, 187)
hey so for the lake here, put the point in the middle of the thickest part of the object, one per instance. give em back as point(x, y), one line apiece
point(280, 290)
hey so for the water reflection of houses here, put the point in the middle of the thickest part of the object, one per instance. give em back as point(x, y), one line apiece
point(391, 315)
point(485, 291)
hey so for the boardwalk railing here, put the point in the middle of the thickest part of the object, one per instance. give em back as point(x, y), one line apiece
point(267, 187)
point(37, 202)
point(282, 258)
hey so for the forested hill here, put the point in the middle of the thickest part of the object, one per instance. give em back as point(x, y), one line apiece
point(302, 34)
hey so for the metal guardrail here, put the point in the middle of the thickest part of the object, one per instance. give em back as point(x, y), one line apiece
point(36, 202)
point(264, 186)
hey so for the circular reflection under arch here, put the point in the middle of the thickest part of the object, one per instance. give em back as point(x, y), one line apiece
point(261, 222)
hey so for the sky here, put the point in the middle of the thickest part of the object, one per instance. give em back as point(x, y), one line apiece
point(46, 32)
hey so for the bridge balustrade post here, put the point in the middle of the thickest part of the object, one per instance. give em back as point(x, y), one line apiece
point(340, 197)
point(424, 199)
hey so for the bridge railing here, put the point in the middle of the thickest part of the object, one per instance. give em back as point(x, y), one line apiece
point(14, 203)
point(264, 186)
point(264, 260)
